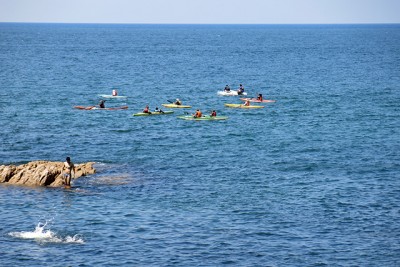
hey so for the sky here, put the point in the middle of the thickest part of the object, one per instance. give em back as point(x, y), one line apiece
point(202, 11)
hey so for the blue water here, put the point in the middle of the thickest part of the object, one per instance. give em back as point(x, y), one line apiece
point(311, 180)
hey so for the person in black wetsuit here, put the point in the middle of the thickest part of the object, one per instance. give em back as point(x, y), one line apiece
point(240, 90)
point(102, 104)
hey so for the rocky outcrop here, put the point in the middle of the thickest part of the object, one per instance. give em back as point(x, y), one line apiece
point(41, 173)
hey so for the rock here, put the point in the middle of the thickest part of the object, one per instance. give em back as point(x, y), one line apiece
point(41, 173)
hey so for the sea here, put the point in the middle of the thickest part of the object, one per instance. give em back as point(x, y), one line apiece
point(312, 179)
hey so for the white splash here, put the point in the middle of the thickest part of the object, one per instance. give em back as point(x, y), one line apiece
point(74, 239)
point(42, 235)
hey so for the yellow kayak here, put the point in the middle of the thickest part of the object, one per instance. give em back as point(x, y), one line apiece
point(175, 106)
point(242, 106)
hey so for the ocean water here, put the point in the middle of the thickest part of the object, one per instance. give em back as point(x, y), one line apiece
point(310, 180)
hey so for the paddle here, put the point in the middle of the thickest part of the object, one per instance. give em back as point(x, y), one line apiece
point(189, 114)
point(172, 101)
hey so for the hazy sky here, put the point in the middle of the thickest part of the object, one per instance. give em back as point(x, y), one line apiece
point(201, 11)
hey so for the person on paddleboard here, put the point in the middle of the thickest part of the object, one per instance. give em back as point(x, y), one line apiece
point(114, 92)
point(213, 113)
point(260, 97)
point(240, 90)
point(227, 88)
point(247, 102)
point(102, 104)
point(68, 168)
point(178, 102)
point(198, 114)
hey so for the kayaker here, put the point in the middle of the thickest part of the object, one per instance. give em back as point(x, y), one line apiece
point(227, 88)
point(178, 102)
point(158, 110)
point(240, 90)
point(146, 109)
point(102, 104)
point(68, 168)
point(260, 97)
point(198, 114)
point(213, 113)
point(114, 92)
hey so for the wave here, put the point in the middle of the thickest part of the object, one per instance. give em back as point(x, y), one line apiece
point(43, 235)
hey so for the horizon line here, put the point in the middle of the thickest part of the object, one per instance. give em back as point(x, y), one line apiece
point(180, 23)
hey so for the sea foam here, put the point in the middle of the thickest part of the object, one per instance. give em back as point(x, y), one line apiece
point(43, 235)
